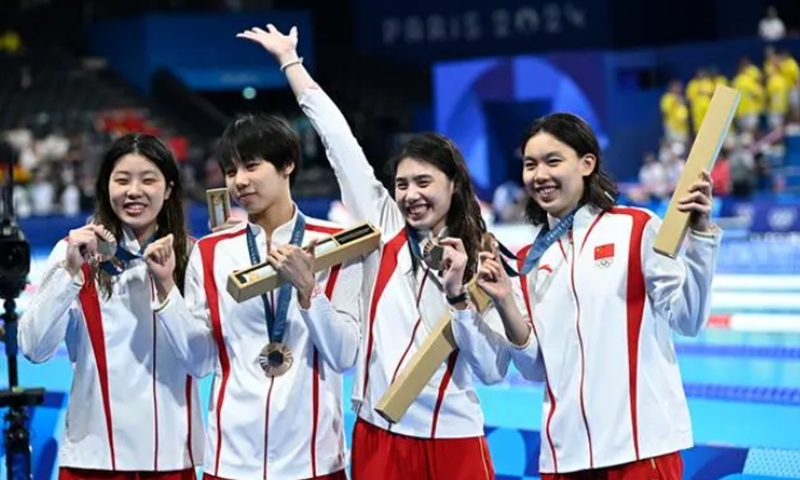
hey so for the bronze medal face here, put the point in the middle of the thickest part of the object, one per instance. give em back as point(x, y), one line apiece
point(275, 359)
point(432, 254)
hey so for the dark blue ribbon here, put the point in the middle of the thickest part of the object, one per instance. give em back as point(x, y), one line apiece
point(276, 322)
point(122, 257)
point(413, 242)
point(544, 240)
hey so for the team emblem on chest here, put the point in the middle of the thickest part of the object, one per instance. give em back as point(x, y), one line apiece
point(604, 255)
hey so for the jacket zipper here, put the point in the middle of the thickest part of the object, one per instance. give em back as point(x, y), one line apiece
point(580, 342)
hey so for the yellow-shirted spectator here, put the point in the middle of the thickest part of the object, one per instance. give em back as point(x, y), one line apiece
point(10, 41)
point(752, 70)
point(698, 93)
point(770, 55)
point(21, 176)
point(778, 88)
point(674, 113)
point(790, 69)
point(751, 103)
point(717, 77)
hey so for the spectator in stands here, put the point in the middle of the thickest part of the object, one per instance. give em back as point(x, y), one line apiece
point(653, 180)
point(508, 203)
point(70, 198)
point(771, 27)
point(11, 42)
point(717, 77)
point(721, 175)
point(791, 71)
point(673, 165)
point(742, 165)
point(751, 103)
point(777, 92)
point(698, 93)
point(42, 192)
point(21, 139)
point(674, 113)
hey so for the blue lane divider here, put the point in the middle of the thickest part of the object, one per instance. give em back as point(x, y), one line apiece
point(742, 351)
point(731, 393)
point(749, 394)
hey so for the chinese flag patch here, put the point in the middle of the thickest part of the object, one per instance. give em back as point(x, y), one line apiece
point(604, 251)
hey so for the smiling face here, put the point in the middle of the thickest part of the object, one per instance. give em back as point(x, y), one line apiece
point(553, 173)
point(423, 193)
point(137, 190)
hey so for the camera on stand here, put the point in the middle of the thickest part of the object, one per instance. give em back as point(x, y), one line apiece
point(15, 265)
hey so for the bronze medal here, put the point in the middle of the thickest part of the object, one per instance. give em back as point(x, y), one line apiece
point(433, 254)
point(275, 359)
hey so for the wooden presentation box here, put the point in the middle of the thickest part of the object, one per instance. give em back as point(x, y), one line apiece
point(334, 250)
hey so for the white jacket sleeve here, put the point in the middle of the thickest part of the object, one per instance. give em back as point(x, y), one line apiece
point(481, 338)
point(333, 324)
point(186, 321)
point(680, 289)
point(44, 323)
point(362, 193)
point(527, 358)
point(485, 348)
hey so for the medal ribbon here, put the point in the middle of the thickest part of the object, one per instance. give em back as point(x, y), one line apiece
point(413, 242)
point(544, 240)
point(276, 322)
point(119, 262)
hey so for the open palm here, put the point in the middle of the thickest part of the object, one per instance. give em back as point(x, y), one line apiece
point(282, 47)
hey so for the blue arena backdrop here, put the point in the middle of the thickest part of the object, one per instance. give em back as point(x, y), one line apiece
point(199, 48)
point(424, 31)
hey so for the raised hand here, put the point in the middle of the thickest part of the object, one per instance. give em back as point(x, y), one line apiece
point(160, 259)
point(492, 277)
point(83, 246)
point(282, 47)
point(454, 263)
point(698, 203)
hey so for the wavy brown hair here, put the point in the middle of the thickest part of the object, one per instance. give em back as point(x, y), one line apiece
point(464, 218)
point(599, 188)
point(170, 219)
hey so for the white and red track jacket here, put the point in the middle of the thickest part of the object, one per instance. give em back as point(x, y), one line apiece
point(281, 428)
point(401, 306)
point(132, 406)
point(604, 306)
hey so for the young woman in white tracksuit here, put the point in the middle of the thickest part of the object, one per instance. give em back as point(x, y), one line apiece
point(133, 410)
point(442, 433)
point(276, 410)
point(594, 311)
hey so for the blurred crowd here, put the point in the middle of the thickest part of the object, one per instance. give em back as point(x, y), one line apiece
point(754, 150)
point(56, 158)
point(55, 165)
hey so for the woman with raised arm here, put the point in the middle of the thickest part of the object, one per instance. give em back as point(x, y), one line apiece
point(406, 291)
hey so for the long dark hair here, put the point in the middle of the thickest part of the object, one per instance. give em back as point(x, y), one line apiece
point(170, 219)
point(599, 188)
point(464, 218)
